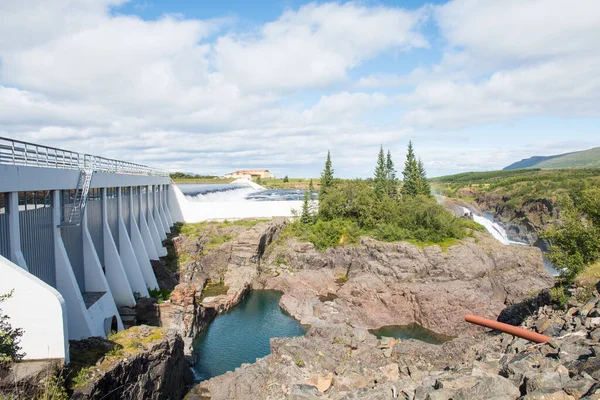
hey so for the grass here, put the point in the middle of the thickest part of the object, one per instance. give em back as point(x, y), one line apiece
point(589, 277)
point(294, 183)
point(217, 240)
point(202, 180)
point(131, 342)
point(212, 289)
point(444, 245)
point(81, 379)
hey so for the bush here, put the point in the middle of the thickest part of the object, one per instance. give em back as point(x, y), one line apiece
point(352, 209)
point(576, 243)
point(161, 295)
point(10, 351)
point(324, 234)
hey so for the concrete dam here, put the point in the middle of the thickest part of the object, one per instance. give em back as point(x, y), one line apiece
point(78, 236)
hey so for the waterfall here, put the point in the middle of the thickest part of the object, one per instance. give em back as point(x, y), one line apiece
point(498, 232)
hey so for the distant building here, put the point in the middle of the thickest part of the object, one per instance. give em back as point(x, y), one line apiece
point(250, 174)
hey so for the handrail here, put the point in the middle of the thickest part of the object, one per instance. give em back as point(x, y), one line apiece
point(17, 152)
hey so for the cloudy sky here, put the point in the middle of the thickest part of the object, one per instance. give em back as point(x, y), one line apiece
point(209, 88)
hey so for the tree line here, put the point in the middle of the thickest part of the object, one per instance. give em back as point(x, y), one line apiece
point(383, 207)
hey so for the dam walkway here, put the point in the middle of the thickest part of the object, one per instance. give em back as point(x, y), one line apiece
point(78, 234)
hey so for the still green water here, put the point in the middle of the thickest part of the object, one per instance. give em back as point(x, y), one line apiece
point(242, 335)
point(412, 331)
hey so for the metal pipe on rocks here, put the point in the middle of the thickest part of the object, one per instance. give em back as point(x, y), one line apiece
point(506, 328)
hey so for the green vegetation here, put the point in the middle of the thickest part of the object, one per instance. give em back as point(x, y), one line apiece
point(575, 244)
point(161, 295)
point(355, 208)
point(182, 177)
point(298, 361)
point(81, 379)
point(579, 159)
point(212, 289)
point(515, 188)
point(326, 177)
point(286, 179)
point(415, 179)
point(291, 183)
point(10, 350)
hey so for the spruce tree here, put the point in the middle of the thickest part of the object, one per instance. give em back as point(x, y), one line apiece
point(424, 187)
point(381, 175)
point(306, 217)
point(286, 179)
point(391, 177)
point(410, 173)
point(326, 177)
point(311, 187)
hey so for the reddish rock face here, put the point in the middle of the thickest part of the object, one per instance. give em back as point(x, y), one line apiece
point(399, 284)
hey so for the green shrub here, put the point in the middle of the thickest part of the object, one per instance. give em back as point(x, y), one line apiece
point(161, 295)
point(575, 244)
point(10, 350)
point(559, 295)
point(82, 378)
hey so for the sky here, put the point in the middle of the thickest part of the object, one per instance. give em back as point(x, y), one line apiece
point(211, 87)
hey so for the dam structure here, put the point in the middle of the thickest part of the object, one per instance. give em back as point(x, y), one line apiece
point(78, 238)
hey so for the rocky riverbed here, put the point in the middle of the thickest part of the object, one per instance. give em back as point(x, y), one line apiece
point(343, 292)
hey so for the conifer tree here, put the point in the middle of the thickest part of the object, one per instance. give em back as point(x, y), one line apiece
point(306, 217)
point(410, 173)
point(424, 187)
point(392, 182)
point(286, 179)
point(311, 187)
point(381, 175)
point(326, 177)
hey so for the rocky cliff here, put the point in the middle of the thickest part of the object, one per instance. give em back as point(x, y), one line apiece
point(378, 284)
point(341, 293)
point(139, 363)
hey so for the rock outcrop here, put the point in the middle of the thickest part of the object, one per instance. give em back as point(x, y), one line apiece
point(400, 284)
point(149, 366)
point(340, 362)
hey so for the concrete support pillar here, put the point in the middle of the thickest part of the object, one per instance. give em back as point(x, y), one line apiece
point(16, 254)
point(139, 248)
point(115, 271)
point(79, 323)
point(128, 256)
point(157, 218)
point(165, 203)
point(145, 232)
point(95, 281)
point(161, 212)
point(160, 250)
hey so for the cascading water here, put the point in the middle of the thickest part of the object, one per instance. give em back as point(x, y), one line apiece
point(498, 232)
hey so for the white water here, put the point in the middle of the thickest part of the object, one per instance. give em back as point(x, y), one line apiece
point(233, 195)
point(231, 204)
point(498, 232)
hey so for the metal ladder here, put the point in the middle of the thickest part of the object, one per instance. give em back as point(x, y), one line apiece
point(81, 196)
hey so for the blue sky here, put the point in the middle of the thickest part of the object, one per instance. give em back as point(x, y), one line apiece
point(210, 87)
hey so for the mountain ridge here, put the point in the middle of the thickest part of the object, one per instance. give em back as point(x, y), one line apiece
point(589, 158)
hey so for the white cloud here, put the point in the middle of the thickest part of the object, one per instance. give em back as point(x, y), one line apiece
point(513, 58)
point(190, 94)
point(316, 45)
point(515, 31)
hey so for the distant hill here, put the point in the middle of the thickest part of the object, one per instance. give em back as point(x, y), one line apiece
point(578, 159)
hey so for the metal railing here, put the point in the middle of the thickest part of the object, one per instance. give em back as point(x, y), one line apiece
point(16, 152)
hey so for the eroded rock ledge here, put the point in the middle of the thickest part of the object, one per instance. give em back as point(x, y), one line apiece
point(340, 362)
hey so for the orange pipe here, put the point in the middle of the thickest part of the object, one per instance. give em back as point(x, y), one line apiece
point(513, 330)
